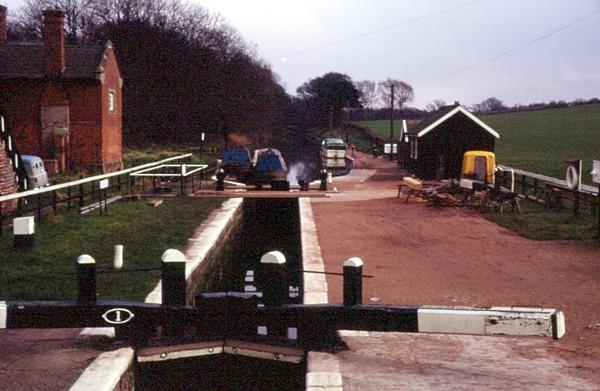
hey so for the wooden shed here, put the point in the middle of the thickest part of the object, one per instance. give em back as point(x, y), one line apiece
point(434, 148)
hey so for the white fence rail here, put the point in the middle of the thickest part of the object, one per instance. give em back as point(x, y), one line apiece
point(66, 185)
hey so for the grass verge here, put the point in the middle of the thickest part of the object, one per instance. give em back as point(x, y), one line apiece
point(540, 223)
point(47, 272)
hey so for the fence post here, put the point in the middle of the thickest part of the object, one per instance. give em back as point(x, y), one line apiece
point(69, 195)
point(598, 209)
point(54, 201)
point(576, 203)
point(81, 195)
point(275, 287)
point(39, 208)
point(353, 273)
point(173, 283)
point(86, 278)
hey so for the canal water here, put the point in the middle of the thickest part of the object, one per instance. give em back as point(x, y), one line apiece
point(267, 225)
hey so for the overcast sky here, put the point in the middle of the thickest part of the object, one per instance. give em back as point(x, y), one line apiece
point(519, 51)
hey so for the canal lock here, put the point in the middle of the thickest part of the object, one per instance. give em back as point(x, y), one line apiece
point(265, 225)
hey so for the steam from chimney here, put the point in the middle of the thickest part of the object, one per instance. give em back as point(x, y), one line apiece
point(54, 42)
point(3, 26)
point(297, 171)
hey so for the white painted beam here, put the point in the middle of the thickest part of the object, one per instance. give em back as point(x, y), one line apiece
point(492, 321)
point(2, 314)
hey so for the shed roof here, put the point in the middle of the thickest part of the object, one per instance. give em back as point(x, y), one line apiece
point(26, 61)
point(436, 118)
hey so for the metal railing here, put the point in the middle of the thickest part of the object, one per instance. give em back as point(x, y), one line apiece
point(547, 190)
point(78, 193)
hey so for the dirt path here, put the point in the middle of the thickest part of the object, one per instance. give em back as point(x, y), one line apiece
point(453, 256)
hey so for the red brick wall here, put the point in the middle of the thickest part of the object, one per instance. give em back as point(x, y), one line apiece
point(85, 124)
point(21, 103)
point(112, 129)
point(95, 133)
point(8, 184)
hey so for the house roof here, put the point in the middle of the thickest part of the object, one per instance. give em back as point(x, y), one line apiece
point(26, 61)
point(434, 119)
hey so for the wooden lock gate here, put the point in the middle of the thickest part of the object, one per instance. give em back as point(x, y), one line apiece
point(227, 322)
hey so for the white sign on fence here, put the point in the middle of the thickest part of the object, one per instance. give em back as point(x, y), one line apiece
point(387, 148)
point(596, 171)
point(103, 184)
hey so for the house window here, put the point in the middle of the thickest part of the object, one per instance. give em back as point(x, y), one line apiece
point(112, 104)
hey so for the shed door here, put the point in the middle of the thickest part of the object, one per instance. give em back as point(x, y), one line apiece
point(481, 168)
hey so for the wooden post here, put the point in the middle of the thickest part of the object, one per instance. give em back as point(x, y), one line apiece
point(353, 273)
point(86, 278)
point(39, 207)
point(69, 194)
point(275, 287)
point(523, 184)
point(173, 287)
point(81, 195)
point(576, 202)
point(391, 122)
point(54, 201)
point(598, 209)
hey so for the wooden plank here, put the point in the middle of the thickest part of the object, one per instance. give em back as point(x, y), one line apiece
point(175, 352)
point(266, 352)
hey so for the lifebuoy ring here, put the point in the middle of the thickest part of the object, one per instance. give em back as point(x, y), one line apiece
point(572, 177)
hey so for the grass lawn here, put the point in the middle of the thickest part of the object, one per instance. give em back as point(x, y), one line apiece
point(540, 223)
point(382, 127)
point(47, 272)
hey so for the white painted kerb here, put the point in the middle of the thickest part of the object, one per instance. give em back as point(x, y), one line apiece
point(2, 314)
point(105, 373)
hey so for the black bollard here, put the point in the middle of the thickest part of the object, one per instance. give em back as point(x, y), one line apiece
point(86, 279)
point(173, 290)
point(220, 179)
point(275, 287)
point(323, 177)
point(353, 273)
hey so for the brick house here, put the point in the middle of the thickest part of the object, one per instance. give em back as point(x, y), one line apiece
point(62, 102)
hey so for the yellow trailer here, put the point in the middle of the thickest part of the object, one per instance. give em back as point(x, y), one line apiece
point(479, 165)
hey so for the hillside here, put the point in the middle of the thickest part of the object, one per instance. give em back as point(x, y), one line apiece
point(538, 141)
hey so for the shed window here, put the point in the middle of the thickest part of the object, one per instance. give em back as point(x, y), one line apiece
point(111, 101)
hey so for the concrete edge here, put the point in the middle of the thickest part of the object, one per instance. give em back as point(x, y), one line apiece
point(107, 370)
point(202, 241)
point(323, 370)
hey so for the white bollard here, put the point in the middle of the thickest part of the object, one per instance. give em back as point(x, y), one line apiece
point(118, 260)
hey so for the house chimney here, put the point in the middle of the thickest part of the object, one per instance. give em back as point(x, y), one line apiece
point(3, 28)
point(54, 42)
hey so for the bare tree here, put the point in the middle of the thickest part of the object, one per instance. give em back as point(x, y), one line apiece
point(79, 18)
point(403, 92)
point(435, 105)
point(368, 91)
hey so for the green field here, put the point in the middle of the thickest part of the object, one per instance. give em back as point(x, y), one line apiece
point(382, 128)
point(539, 141)
point(47, 271)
